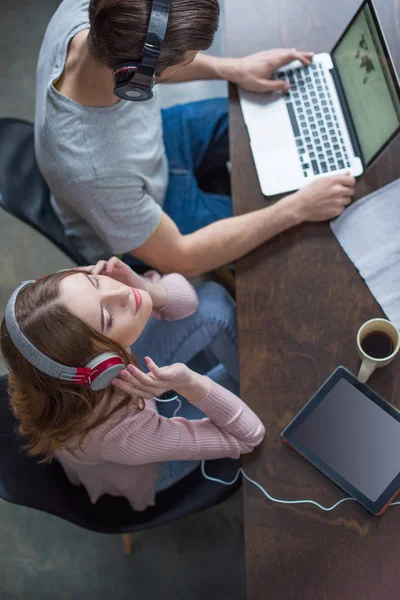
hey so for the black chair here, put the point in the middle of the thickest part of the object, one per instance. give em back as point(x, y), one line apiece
point(45, 487)
point(23, 191)
point(25, 195)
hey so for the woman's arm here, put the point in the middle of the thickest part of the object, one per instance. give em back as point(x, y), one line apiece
point(172, 295)
point(182, 300)
point(230, 430)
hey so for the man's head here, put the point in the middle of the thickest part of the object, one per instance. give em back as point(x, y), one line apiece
point(118, 30)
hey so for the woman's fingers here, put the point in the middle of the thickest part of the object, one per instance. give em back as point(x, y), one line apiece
point(153, 368)
point(132, 390)
point(141, 377)
point(99, 267)
point(111, 264)
point(88, 269)
point(105, 265)
point(141, 381)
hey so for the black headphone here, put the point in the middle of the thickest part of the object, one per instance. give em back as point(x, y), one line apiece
point(135, 80)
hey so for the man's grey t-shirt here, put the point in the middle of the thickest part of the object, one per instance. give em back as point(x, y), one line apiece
point(106, 167)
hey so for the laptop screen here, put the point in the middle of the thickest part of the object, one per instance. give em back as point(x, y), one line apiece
point(369, 82)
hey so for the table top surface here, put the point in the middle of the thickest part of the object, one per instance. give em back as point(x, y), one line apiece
point(300, 304)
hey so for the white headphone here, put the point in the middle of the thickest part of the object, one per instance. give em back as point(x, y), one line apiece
point(98, 373)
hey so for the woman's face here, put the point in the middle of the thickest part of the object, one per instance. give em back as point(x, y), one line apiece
point(111, 308)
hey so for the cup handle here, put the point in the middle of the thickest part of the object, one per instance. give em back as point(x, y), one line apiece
point(367, 368)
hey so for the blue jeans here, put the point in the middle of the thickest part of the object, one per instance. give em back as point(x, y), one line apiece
point(212, 328)
point(172, 471)
point(207, 342)
point(197, 144)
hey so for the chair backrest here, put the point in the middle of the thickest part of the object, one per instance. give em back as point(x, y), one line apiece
point(45, 487)
point(23, 191)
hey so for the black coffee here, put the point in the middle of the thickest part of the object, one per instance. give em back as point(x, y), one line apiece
point(377, 344)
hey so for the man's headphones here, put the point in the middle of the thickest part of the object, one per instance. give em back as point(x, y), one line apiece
point(98, 373)
point(135, 80)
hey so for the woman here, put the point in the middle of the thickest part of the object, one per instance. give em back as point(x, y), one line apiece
point(120, 440)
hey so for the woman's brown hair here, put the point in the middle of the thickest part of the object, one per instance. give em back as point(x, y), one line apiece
point(52, 412)
point(118, 30)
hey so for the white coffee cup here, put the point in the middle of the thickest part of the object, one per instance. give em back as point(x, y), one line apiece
point(369, 362)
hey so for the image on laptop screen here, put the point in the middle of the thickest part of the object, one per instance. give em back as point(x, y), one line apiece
point(368, 84)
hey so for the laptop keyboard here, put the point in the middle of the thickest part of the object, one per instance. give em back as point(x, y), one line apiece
point(313, 117)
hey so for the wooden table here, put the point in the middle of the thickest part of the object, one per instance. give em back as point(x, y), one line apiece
point(300, 304)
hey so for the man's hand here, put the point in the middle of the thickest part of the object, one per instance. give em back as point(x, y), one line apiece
point(323, 199)
point(254, 72)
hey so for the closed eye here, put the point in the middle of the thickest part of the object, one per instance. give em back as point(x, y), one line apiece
point(111, 320)
point(95, 281)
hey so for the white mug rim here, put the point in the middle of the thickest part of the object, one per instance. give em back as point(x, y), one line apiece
point(372, 358)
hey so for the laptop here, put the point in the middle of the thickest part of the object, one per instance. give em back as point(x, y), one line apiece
point(338, 116)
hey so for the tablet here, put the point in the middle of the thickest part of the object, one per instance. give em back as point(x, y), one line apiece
point(351, 435)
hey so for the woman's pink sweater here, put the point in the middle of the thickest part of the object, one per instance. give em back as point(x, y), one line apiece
point(121, 457)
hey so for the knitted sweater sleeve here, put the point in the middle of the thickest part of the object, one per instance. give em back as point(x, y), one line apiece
point(182, 298)
point(230, 429)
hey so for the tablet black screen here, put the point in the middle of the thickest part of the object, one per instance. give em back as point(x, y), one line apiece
point(355, 437)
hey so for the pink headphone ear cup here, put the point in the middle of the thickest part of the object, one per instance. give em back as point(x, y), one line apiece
point(104, 368)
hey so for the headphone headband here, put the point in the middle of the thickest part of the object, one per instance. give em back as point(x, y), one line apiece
point(157, 27)
point(35, 357)
point(98, 373)
point(135, 80)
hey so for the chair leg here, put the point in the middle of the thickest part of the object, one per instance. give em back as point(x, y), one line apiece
point(127, 541)
point(227, 279)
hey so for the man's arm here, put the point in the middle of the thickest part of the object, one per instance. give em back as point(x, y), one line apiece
point(229, 239)
point(254, 72)
point(204, 66)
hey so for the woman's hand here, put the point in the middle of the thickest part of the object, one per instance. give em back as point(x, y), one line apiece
point(176, 377)
point(118, 270)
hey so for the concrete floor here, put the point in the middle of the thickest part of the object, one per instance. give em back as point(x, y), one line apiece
point(42, 557)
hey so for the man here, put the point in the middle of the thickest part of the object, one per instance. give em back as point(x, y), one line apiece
point(123, 175)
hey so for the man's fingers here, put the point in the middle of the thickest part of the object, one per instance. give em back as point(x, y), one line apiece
point(273, 85)
point(347, 180)
point(292, 54)
point(348, 191)
point(304, 57)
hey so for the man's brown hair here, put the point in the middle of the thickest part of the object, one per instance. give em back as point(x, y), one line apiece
point(118, 30)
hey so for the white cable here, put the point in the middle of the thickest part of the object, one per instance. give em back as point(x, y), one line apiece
point(327, 509)
point(240, 471)
point(178, 408)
